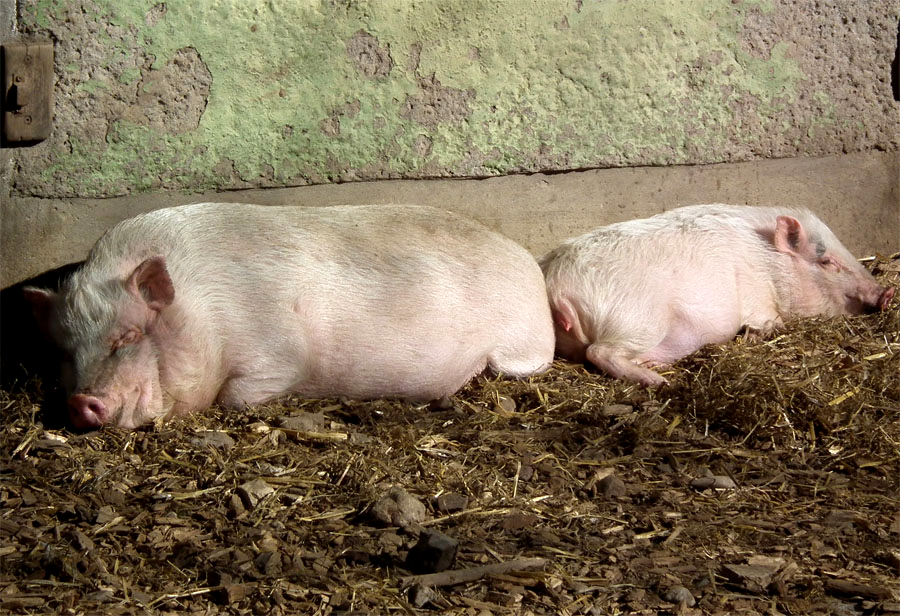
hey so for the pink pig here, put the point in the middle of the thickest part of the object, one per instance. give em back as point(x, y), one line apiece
point(648, 292)
point(236, 304)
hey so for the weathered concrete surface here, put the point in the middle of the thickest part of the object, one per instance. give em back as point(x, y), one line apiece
point(248, 93)
point(858, 195)
point(7, 31)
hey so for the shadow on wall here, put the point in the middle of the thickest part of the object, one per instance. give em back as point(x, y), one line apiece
point(895, 67)
point(29, 363)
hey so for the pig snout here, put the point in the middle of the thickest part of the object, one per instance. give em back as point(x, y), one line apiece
point(872, 299)
point(87, 411)
point(862, 294)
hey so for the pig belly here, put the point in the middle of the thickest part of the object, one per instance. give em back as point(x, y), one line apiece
point(390, 366)
point(680, 343)
point(394, 370)
point(408, 326)
point(691, 331)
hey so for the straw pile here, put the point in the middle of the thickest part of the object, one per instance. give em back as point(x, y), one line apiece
point(764, 480)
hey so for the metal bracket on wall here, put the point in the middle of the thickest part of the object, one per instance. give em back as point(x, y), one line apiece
point(27, 95)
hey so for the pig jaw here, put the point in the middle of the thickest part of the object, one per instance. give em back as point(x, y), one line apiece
point(89, 412)
point(126, 394)
point(837, 290)
point(862, 293)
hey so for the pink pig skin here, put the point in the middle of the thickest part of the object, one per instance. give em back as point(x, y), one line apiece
point(648, 292)
point(237, 304)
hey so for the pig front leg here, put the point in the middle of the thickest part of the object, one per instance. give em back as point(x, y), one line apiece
point(245, 390)
point(759, 331)
point(616, 364)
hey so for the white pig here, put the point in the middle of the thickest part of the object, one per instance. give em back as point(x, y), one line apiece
point(647, 292)
point(232, 303)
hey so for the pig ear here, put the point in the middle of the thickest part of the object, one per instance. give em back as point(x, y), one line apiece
point(790, 237)
point(41, 301)
point(150, 280)
point(565, 316)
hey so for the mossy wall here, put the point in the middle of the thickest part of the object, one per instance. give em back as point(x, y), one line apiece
point(224, 94)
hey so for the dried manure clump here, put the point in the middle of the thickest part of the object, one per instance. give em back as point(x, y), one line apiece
point(765, 479)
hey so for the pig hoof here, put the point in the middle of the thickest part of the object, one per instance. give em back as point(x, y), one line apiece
point(653, 381)
point(616, 365)
point(643, 374)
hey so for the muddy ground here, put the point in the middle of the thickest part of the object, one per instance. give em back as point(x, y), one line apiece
point(765, 479)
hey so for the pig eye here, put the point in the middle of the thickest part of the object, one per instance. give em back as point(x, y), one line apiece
point(129, 337)
point(830, 263)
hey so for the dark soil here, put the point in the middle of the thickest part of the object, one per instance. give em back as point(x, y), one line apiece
point(765, 479)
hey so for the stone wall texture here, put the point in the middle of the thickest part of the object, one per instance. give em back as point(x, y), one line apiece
point(204, 95)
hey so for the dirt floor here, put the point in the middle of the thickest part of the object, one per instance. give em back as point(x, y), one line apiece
point(764, 480)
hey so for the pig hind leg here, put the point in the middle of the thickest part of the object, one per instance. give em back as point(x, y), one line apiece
point(522, 361)
point(617, 364)
point(526, 345)
point(517, 366)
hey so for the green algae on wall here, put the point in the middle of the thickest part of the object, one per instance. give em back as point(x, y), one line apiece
point(235, 93)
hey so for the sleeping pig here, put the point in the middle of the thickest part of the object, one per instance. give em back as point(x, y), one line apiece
point(232, 303)
point(637, 294)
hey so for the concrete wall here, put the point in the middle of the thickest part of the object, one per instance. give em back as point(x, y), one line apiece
point(157, 103)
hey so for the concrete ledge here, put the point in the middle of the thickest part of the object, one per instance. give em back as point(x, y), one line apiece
point(858, 195)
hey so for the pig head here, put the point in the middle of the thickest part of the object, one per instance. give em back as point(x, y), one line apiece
point(824, 278)
point(114, 367)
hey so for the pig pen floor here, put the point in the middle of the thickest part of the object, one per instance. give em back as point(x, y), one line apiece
point(764, 480)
